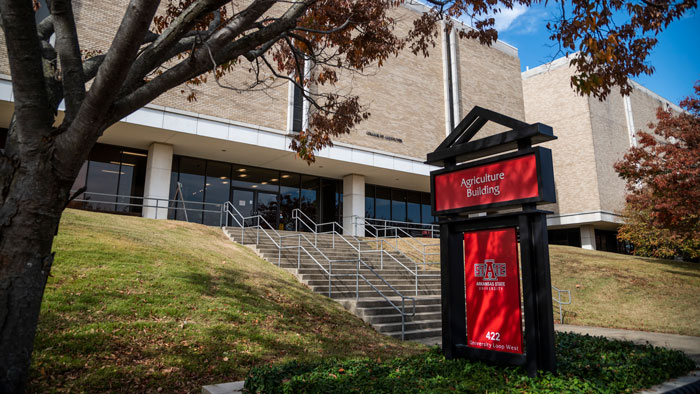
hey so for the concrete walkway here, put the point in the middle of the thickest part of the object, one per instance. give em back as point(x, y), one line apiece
point(687, 344)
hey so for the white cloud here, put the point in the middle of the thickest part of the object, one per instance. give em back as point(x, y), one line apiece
point(506, 17)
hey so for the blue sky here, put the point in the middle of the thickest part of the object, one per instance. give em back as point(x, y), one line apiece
point(676, 56)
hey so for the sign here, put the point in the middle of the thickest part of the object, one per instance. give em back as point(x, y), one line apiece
point(507, 180)
point(493, 290)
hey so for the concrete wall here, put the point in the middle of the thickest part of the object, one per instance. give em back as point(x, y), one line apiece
point(549, 99)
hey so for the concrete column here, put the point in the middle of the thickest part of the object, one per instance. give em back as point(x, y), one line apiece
point(588, 237)
point(353, 204)
point(158, 169)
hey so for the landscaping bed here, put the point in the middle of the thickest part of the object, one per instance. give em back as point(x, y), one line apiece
point(585, 365)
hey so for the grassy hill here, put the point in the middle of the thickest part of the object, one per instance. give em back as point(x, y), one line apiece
point(136, 304)
point(615, 290)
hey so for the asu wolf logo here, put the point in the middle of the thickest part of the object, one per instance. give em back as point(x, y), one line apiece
point(490, 270)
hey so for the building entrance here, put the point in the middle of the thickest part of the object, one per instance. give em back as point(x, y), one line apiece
point(253, 202)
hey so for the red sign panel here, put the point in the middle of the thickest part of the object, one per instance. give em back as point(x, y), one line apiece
point(493, 290)
point(506, 180)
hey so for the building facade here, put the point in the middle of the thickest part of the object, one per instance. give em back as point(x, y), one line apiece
point(234, 146)
point(592, 136)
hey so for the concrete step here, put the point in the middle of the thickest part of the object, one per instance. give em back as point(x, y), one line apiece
point(417, 334)
point(371, 294)
point(409, 326)
point(382, 303)
point(396, 318)
point(389, 310)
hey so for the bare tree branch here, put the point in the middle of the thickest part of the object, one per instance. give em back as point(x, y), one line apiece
point(68, 49)
point(24, 54)
point(110, 76)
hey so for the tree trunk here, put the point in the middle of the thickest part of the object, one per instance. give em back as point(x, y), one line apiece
point(31, 201)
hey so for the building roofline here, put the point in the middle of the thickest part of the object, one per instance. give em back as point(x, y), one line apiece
point(564, 61)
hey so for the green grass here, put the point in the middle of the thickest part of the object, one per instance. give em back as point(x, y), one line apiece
point(585, 365)
point(134, 305)
point(620, 291)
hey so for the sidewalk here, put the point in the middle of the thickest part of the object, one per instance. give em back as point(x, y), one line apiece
point(687, 344)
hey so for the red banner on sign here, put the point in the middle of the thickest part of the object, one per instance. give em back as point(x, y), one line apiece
point(493, 290)
point(507, 180)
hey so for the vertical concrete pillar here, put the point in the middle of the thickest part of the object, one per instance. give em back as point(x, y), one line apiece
point(158, 169)
point(588, 237)
point(353, 204)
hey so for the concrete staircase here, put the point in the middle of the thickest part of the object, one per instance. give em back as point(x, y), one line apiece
point(324, 253)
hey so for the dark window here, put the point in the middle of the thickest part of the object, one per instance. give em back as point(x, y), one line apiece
point(369, 201)
point(217, 188)
point(606, 240)
point(175, 206)
point(566, 236)
point(289, 198)
point(382, 204)
point(132, 179)
point(255, 178)
point(328, 203)
point(398, 205)
point(298, 109)
point(192, 179)
point(103, 178)
point(413, 206)
point(426, 213)
point(310, 186)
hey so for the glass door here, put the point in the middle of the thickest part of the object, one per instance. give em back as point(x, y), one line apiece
point(266, 206)
point(243, 201)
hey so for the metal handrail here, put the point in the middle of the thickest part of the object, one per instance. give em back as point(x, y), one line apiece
point(229, 210)
point(145, 203)
point(374, 231)
point(434, 229)
point(560, 302)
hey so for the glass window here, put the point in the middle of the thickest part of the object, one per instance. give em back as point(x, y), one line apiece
point(255, 178)
point(310, 186)
point(398, 205)
point(103, 177)
point(413, 206)
point(339, 202)
point(369, 201)
point(174, 176)
point(426, 214)
point(192, 179)
point(217, 187)
point(328, 203)
point(382, 204)
point(289, 198)
point(132, 178)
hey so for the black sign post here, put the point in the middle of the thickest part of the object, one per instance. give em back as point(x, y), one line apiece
point(467, 186)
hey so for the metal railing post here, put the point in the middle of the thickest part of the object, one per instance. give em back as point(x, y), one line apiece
point(381, 256)
point(330, 275)
point(357, 280)
point(299, 253)
point(403, 317)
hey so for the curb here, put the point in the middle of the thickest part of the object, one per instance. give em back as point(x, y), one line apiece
point(683, 384)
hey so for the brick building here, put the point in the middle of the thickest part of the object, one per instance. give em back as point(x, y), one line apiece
point(234, 146)
point(592, 136)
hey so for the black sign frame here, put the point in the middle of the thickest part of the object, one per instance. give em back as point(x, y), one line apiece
point(531, 225)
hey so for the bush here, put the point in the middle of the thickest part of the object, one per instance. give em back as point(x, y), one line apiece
point(586, 364)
